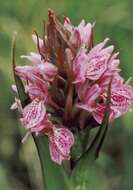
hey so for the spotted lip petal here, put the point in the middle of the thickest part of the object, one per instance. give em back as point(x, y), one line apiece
point(33, 114)
point(121, 99)
point(98, 59)
point(56, 156)
point(60, 143)
point(93, 65)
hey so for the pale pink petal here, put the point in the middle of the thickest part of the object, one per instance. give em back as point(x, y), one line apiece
point(30, 74)
point(80, 35)
point(107, 50)
point(37, 90)
point(35, 58)
point(80, 66)
point(44, 127)
point(68, 25)
point(34, 38)
point(87, 101)
point(26, 72)
point(17, 105)
point(98, 47)
point(82, 24)
point(48, 71)
point(75, 38)
point(14, 88)
point(85, 32)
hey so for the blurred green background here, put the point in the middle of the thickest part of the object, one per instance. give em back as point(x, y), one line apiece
point(19, 165)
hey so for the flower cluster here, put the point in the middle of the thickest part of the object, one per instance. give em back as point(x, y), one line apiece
point(67, 84)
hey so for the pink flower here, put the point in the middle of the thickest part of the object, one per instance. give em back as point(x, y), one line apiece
point(113, 64)
point(93, 98)
point(99, 111)
point(79, 81)
point(45, 127)
point(46, 70)
point(33, 114)
point(37, 121)
point(92, 65)
point(35, 58)
point(88, 96)
point(80, 66)
point(60, 143)
point(117, 80)
point(80, 35)
point(85, 32)
point(121, 100)
point(27, 73)
point(98, 60)
point(37, 90)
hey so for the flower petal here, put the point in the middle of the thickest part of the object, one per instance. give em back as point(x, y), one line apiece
point(33, 113)
point(60, 143)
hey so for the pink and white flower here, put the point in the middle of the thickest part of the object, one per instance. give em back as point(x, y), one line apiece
point(94, 100)
point(33, 114)
point(60, 143)
point(80, 35)
point(78, 81)
point(40, 68)
point(93, 65)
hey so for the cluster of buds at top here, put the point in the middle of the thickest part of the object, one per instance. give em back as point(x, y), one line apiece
point(67, 84)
